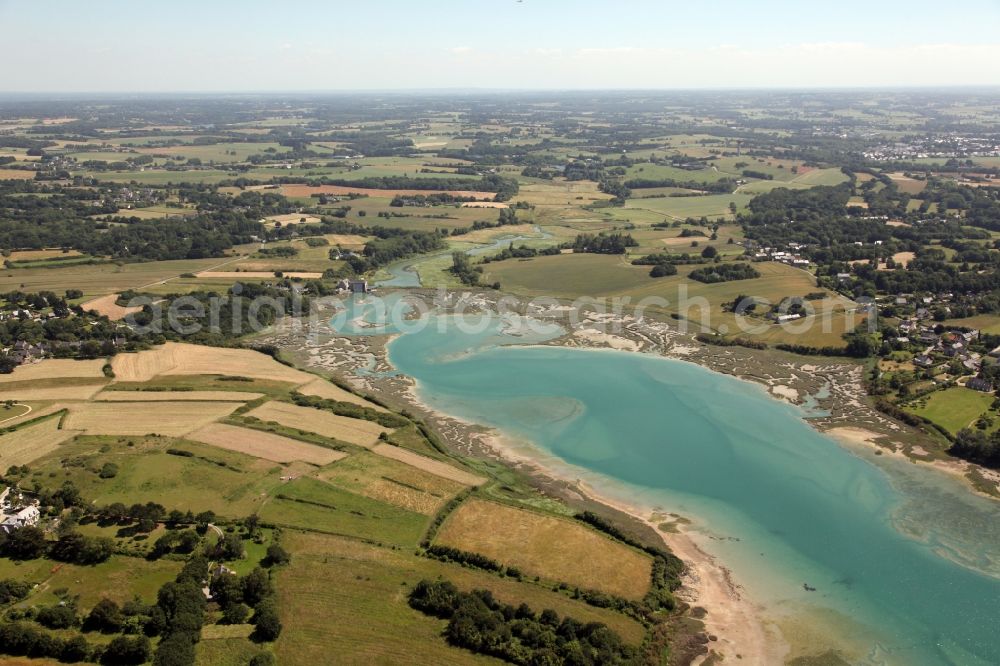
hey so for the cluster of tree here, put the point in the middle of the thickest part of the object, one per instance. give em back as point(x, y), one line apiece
point(239, 596)
point(602, 243)
point(393, 244)
point(507, 217)
point(210, 318)
point(435, 199)
point(661, 262)
point(616, 188)
point(181, 607)
point(278, 251)
point(977, 446)
point(350, 409)
point(464, 270)
point(475, 560)
point(523, 252)
point(69, 334)
point(505, 188)
point(478, 622)
point(721, 186)
point(724, 273)
point(30, 543)
point(19, 639)
point(34, 221)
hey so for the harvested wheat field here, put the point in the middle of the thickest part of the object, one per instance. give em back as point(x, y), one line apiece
point(392, 482)
point(309, 190)
point(25, 392)
point(428, 464)
point(353, 431)
point(349, 241)
point(293, 218)
point(168, 396)
point(16, 174)
point(264, 444)
point(175, 358)
point(30, 443)
point(142, 418)
point(321, 388)
point(548, 546)
point(105, 305)
point(38, 255)
point(52, 368)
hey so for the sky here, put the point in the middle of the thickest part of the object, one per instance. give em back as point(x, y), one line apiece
point(298, 45)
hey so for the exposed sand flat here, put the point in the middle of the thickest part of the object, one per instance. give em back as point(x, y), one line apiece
point(428, 464)
point(321, 388)
point(785, 392)
point(30, 443)
point(346, 429)
point(264, 444)
point(67, 392)
point(105, 305)
point(176, 358)
point(594, 336)
point(176, 396)
point(52, 368)
point(236, 275)
point(142, 418)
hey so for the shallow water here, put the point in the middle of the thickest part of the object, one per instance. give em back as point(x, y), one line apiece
point(907, 554)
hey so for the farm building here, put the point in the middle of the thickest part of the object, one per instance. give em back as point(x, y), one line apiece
point(979, 384)
point(26, 517)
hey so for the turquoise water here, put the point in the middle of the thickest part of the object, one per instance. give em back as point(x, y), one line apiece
point(880, 540)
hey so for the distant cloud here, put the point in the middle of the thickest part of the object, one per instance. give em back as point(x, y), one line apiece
point(460, 50)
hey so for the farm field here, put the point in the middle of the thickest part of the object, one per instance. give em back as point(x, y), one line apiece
point(393, 482)
point(210, 478)
point(435, 467)
point(953, 408)
point(547, 546)
point(29, 443)
point(264, 445)
point(175, 358)
point(100, 279)
point(322, 388)
point(679, 208)
point(119, 579)
point(52, 368)
point(140, 418)
point(366, 601)
point(106, 305)
point(318, 506)
point(177, 396)
point(984, 323)
point(353, 431)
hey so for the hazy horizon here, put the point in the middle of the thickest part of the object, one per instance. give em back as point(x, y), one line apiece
point(498, 45)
